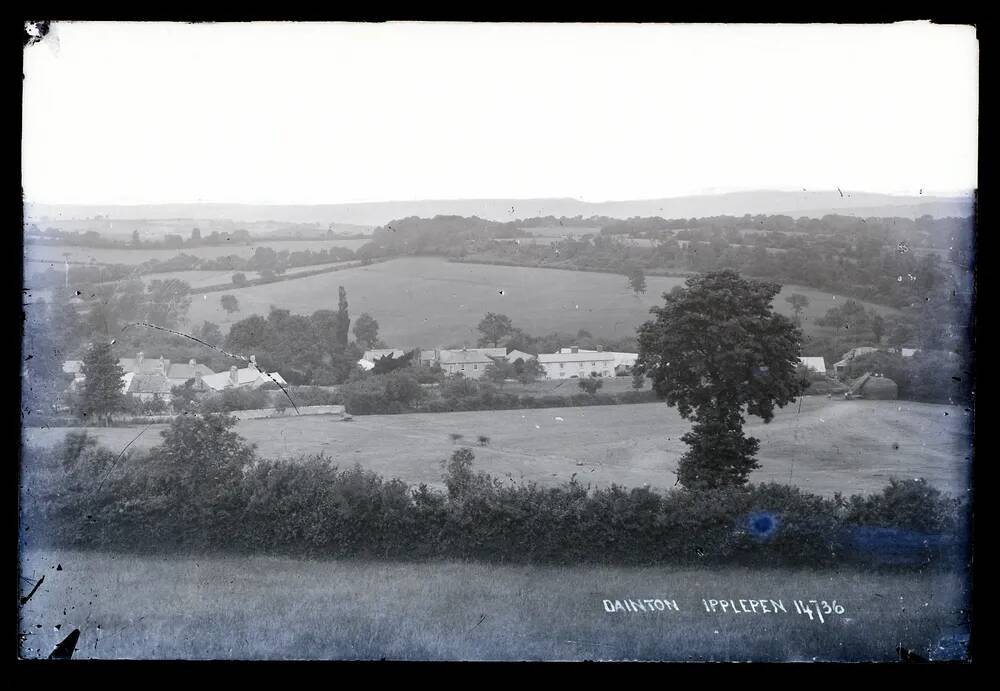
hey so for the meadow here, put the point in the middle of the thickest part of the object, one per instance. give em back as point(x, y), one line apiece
point(43, 256)
point(427, 302)
point(203, 607)
point(830, 445)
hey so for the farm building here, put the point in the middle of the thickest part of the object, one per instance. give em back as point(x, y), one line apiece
point(573, 362)
point(246, 377)
point(469, 362)
point(871, 387)
point(840, 366)
point(816, 364)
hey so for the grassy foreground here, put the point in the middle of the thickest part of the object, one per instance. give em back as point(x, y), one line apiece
point(277, 608)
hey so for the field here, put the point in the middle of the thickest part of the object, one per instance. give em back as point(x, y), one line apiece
point(830, 446)
point(428, 302)
point(39, 254)
point(275, 608)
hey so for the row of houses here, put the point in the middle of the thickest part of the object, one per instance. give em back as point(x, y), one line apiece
point(150, 379)
point(472, 362)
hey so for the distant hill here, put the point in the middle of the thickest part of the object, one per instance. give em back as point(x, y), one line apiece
point(814, 204)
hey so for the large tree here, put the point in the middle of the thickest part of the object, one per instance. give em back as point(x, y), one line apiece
point(366, 331)
point(343, 319)
point(102, 387)
point(636, 279)
point(717, 351)
point(494, 328)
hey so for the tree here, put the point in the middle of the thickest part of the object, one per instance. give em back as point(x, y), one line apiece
point(591, 384)
point(343, 319)
point(877, 325)
point(195, 235)
point(135, 238)
point(499, 371)
point(102, 387)
point(636, 280)
point(528, 371)
point(716, 350)
point(798, 302)
point(230, 303)
point(366, 330)
point(239, 279)
point(494, 328)
point(210, 333)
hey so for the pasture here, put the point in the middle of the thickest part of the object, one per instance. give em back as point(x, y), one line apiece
point(201, 607)
point(43, 256)
point(427, 302)
point(829, 446)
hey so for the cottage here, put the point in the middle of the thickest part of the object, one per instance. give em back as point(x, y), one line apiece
point(573, 362)
point(469, 362)
point(149, 387)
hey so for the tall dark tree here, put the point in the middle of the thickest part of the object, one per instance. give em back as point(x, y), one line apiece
point(102, 387)
point(229, 303)
point(343, 319)
point(799, 302)
point(717, 351)
point(494, 327)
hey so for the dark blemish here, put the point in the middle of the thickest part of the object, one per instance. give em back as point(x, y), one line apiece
point(59, 567)
point(841, 193)
point(482, 618)
point(65, 649)
point(24, 600)
point(34, 32)
point(762, 524)
point(946, 412)
point(500, 291)
point(895, 445)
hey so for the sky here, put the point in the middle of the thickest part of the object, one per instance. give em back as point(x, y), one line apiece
point(286, 113)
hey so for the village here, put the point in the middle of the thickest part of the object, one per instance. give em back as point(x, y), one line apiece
point(153, 380)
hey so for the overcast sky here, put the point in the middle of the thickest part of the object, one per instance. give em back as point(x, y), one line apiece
point(325, 113)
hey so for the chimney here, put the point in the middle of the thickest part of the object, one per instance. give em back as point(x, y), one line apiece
point(234, 376)
point(253, 361)
point(138, 362)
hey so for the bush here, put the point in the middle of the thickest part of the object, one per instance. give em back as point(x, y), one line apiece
point(204, 488)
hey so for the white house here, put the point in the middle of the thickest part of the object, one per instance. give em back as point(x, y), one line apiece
point(573, 362)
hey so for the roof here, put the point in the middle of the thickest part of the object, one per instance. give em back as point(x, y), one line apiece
point(127, 381)
point(855, 352)
point(428, 355)
point(589, 356)
point(188, 371)
point(471, 355)
point(149, 365)
point(515, 354)
point(366, 364)
point(245, 377)
point(816, 364)
point(149, 383)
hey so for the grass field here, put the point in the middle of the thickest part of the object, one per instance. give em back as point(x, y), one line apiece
point(274, 608)
point(55, 253)
point(830, 446)
point(428, 302)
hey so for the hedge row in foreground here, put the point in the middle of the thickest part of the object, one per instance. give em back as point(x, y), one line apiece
point(204, 489)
